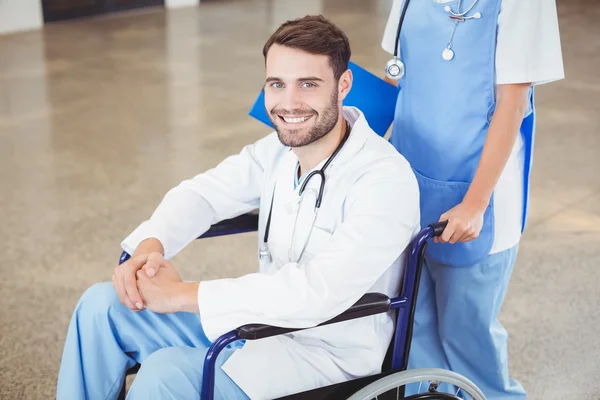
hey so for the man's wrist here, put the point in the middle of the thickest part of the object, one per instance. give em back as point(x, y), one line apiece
point(186, 295)
point(150, 245)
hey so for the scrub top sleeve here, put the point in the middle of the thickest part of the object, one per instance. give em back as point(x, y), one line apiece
point(528, 46)
point(188, 210)
point(389, 35)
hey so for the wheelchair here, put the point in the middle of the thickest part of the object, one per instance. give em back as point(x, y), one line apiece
point(391, 382)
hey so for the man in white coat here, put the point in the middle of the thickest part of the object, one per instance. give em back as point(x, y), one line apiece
point(310, 271)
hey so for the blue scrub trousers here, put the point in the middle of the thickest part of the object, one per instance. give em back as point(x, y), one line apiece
point(456, 325)
point(105, 339)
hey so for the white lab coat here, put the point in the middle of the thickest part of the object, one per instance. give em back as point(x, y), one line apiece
point(369, 214)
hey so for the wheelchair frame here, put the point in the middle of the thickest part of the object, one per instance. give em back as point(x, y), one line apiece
point(369, 304)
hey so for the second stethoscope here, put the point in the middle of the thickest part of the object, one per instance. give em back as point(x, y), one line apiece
point(394, 69)
point(264, 252)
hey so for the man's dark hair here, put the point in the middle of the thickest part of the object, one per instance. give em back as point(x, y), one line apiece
point(314, 34)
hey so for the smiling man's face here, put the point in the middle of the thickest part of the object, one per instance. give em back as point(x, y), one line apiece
point(301, 95)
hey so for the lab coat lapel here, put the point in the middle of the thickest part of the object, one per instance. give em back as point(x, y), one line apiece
point(290, 212)
point(304, 214)
point(284, 206)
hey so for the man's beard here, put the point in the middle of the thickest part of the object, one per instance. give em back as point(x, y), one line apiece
point(325, 123)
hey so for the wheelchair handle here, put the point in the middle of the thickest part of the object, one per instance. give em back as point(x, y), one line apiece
point(438, 228)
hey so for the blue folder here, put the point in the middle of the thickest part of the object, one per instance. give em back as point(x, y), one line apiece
point(372, 95)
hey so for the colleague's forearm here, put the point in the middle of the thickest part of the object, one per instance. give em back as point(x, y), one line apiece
point(511, 105)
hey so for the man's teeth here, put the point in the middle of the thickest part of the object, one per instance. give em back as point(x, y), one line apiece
point(290, 120)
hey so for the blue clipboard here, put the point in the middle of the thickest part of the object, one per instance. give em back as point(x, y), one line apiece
point(372, 95)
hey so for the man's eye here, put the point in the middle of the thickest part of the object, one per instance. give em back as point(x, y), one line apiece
point(308, 85)
point(277, 85)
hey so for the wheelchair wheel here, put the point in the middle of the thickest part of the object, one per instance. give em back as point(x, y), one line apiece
point(432, 377)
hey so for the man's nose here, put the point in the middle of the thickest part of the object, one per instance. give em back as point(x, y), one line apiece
point(291, 99)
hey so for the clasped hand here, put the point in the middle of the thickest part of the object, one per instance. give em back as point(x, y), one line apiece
point(147, 281)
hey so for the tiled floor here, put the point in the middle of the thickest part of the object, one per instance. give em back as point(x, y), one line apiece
point(100, 117)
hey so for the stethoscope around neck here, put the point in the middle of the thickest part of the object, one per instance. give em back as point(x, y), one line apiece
point(264, 253)
point(394, 69)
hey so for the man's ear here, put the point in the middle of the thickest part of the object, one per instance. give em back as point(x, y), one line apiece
point(345, 84)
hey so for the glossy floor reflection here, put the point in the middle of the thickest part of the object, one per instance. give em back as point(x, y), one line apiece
point(99, 118)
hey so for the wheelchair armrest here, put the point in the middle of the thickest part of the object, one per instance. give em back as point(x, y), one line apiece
point(242, 224)
point(369, 304)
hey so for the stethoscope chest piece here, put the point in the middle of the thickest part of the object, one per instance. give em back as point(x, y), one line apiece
point(394, 69)
point(264, 255)
point(448, 54)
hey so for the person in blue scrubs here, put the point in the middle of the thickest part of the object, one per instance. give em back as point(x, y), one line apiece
point(465, 120)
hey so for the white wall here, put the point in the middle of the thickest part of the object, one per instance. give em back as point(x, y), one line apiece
point(179, 3)
point(20, 15)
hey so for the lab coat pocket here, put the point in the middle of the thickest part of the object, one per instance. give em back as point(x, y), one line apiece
point(437, 197)
point(319, 237)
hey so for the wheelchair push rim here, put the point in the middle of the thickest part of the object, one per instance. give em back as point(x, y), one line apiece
point(404, 378)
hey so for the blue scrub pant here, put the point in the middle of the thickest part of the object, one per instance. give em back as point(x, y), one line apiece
point(106, 338)
point(456, 325)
